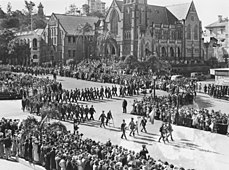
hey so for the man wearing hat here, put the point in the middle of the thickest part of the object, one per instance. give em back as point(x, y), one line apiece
point(102, 118)
point(123, 129)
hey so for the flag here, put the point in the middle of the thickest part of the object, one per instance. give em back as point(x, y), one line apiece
point(151, 115)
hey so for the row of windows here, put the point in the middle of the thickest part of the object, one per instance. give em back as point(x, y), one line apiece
point(114, 22)
point(192, 50)
point(127, 35)
point(166, 35)
point(53, 31)
point(71, 39)
point(54, 41)
point(192, 33)
point(71, 53)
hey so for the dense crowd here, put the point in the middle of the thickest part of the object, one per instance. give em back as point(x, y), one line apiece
point(216, 91)
point(70, 151)
point(165, 109)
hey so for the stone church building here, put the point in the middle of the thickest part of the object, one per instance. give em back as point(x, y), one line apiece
point(173, 33)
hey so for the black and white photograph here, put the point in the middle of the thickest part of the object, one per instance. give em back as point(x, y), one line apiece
point(114, 85)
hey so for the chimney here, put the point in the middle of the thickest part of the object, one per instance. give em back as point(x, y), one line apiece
point(220, 18)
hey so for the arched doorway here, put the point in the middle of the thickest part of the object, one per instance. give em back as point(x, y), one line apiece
point(163, 52)
point(34, 44)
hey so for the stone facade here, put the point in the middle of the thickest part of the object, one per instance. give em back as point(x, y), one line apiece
point(66, 41)
point(141, 29)
point(34, 39)
point(96, 5)
point(220, 31)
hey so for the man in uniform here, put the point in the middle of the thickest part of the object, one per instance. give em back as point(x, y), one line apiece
point(102, 118)
point(124, 105)
point(132, 127)
point(123, 129)
point(143, 124)
point(92, 111)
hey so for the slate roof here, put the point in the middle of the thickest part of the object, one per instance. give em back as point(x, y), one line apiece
point(217, 24)
point(70, 23)
point(161, 15)
point(179, 10)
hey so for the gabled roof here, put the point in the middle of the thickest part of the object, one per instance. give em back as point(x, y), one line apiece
point(38, 31)
point(160, 15)
point(179, 10)
point(120, 4)
point(70, 23)
point(218, 24)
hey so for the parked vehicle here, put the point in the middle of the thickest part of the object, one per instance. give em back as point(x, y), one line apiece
point(198, 76)
point(176, 77)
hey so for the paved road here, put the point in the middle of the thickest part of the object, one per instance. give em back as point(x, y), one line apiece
point(12, 165)
point(191, 148)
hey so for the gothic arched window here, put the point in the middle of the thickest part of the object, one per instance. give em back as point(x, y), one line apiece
point(189, 32)
point(35, 44)
point(114, 22)
point(196, 32)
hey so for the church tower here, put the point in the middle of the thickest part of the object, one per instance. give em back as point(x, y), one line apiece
point(40, 10)
point(134, 18)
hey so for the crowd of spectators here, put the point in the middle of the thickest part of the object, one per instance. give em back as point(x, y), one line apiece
point(166, 109)
point(216, 91)
point(72, 151)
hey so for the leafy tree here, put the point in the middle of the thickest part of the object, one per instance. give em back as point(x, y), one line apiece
point(29, 6)
point(11, 22)
point(103, 41)
point(86, 8)
point(5, 37)
point(96, 14)
point(19, 52)
point(73, 10)
point(31, 126)
point(83, 31)
point(39, 23)
point(2, 14)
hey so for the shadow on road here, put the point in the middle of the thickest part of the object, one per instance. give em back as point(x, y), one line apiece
point(203, 103)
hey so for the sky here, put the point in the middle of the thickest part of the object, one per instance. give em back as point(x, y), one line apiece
point(208, 10)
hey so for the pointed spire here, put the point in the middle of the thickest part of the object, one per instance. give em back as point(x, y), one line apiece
point(40, 10)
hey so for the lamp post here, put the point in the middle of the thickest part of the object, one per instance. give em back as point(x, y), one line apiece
point(154, 86)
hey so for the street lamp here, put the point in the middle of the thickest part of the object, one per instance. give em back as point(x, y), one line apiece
point(154, 88)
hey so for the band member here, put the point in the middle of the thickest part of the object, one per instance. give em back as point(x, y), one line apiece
point(136, 127)
point(102, 118)
point(109, 116)
point(92, 111)
point(143, 124)
point(124, 105)
point(163, 133)
point(169, 131)
point(123, 129)
point(144, 152)
point(132, 127)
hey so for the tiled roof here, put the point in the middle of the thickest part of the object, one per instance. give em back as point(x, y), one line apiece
point(179, 10)
point(70, 23)
point(218, 24)
point(160, 15)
